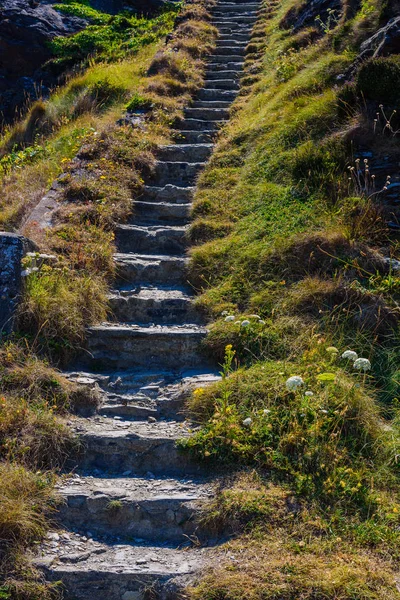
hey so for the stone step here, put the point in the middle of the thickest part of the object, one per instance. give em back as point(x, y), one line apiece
point(111, 447)
point(207, 114)
point(194, 137)
point(160, 213)
point(196, 125)
point(140, 394)
point(230, 51)
point(215, 95)
point(150, 269)
point(131, 346)
point(91, 569)
point(176, 173)
point(185, 152)
point(232, 43)
point(228, 66)
point(226, 104)
point(167, 193)
point(235, 37)
point(154, 510)
point(129, 410)
point(222, 84)
point(231, 20)
point(237, 59)
point(235, 29)
point(230, 7)
point(154, 305)
point(221, 74)
point(154, 239)
point(237, 17)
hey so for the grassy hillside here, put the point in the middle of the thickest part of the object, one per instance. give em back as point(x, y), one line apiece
point(294, 256)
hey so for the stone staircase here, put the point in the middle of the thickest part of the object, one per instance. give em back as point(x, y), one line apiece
point(128, 527)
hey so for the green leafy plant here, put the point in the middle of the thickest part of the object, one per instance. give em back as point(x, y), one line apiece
point(332, 20)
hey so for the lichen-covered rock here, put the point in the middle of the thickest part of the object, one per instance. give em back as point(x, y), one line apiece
point(12, 250)
point(384, 42)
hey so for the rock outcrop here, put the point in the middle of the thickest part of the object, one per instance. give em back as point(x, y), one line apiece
point(26, 27)
point(306, 14)
point(13, 247)
point(384, 42)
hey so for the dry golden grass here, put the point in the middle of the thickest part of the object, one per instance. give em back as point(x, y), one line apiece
point(289, 553)
point(27, 500)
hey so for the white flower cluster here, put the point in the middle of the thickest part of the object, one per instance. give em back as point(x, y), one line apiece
point(245, 323)
point(29, 271)
point(294, 383)
point(360, 364)
point(350, 355)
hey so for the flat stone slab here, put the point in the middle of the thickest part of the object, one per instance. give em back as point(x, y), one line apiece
point(88, 568)
point(105, 427)
point(136, 488)
point(114, 446)
point(143, 394)
point(133, 508)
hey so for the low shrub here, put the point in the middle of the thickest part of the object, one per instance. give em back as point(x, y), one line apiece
point(379, 80)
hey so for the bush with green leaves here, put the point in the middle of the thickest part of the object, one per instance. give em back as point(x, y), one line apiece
point(321, 431)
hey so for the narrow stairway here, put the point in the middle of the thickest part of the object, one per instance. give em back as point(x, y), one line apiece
point(129, 517)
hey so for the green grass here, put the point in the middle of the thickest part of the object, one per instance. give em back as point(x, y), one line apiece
point(108, 37)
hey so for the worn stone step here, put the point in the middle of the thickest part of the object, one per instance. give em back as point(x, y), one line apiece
point(225, 66)
point(237, 59)
point(155, 510)
point(216, 95)
point(235, 37)
point(154, 239)
point(226, 18)
point(224, 74)
point(231, 7)
point(230, 51)
point(167, 193)
point(185, 152)
point(223, 84)
point(194, 137)
point(232, 43)
point(111, 447)
point(196, 125)
point(176, 173)
point(131, 346)
point(233, 29)
point(142, 393)
point(154, 305)
point(91, 569)
point(231, 20)
point(160, 213)
point(207, 114)
point(212, 104)
point(150, 269)
point(128, 409)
